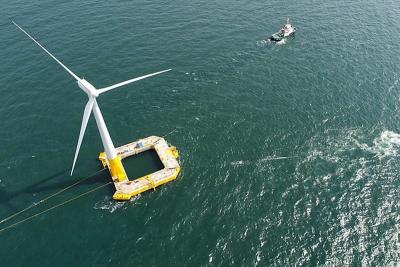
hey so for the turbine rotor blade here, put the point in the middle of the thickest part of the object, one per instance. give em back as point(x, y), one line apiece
point(85, 119)
point(105, 89)
point(59, 62)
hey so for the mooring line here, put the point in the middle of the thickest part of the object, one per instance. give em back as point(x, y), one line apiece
point(47, 198)
point(171, 132)
point(56, 206)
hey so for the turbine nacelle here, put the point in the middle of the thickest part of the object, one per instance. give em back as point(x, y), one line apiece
point(88, 88)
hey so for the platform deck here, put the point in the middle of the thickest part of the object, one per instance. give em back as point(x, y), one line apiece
point(168, 155)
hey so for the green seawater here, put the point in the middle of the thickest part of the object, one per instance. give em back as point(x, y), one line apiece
point(289, 154)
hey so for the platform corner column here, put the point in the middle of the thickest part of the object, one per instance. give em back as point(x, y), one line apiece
point(117, 169)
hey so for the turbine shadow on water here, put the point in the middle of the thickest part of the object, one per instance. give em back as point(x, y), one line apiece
point(52, 182)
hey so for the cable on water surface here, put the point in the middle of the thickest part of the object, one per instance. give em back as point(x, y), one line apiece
point(51, 208)
point(49, 197)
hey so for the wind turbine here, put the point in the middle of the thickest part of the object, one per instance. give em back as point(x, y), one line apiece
point(115, 165)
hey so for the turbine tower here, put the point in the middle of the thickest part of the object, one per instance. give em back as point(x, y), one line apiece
point(115, 165)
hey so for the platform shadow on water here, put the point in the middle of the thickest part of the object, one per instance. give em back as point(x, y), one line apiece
point(136, 166)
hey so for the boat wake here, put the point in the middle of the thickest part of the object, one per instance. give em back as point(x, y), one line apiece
point(282, 42)
point(268, 42)
point(263, 43)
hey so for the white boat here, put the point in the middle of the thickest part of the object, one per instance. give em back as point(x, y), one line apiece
point(286, 31)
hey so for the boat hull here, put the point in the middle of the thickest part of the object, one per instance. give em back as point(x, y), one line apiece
point(279, 36)
point(276, 37)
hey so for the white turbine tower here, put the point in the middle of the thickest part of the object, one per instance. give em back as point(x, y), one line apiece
point(116, 168)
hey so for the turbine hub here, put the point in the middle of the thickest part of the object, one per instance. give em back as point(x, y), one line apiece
point(88, 88)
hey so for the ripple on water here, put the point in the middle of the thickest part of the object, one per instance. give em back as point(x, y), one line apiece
point(346, 199)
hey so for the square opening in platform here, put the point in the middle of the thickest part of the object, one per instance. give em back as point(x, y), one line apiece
point(142, 164)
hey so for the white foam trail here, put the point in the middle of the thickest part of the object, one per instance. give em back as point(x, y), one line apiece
point(277, 158)
point(262, 42)
point(281, 42)
point(269, 158)
point(387, 144)
point(111, 205)
point(240, 163)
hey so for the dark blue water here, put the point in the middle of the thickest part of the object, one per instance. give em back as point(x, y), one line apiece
point(289, 154)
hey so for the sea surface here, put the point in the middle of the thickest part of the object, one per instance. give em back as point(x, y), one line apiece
point(290, 154)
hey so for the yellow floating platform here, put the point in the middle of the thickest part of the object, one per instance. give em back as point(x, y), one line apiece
point(168, 155)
